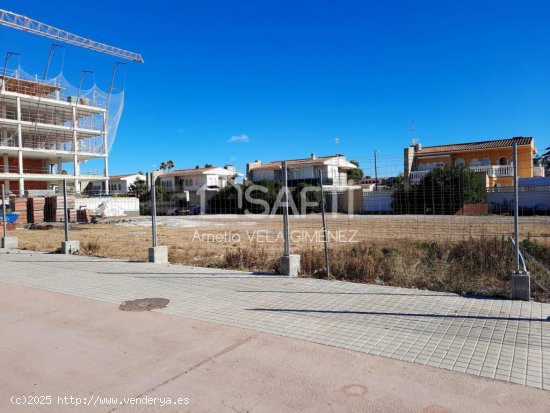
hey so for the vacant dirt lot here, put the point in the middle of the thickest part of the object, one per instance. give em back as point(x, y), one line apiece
point(200, 237)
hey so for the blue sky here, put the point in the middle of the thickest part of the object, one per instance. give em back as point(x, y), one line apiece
point(285, 78)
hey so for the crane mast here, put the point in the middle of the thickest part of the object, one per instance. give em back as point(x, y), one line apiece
point(27, 24)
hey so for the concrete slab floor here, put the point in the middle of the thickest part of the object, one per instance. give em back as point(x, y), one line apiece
point(61, 346)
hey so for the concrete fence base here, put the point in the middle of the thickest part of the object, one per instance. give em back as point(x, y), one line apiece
point(521, 286)
point(158, 255)
point(289, 265)
point(9, 242)
point(70, 247)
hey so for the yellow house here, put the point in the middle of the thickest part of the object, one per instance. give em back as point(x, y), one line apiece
point(492, 157)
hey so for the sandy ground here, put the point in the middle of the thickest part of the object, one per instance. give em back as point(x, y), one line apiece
point(208, 235)
point(57, 345)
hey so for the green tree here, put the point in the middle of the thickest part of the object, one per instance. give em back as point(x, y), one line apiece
point(312, 195)
point(139, 189)
point(170, 164)
point(208, 165)
point(356, 174)
point(160, 193)
point(543, 160)
point(443, 191)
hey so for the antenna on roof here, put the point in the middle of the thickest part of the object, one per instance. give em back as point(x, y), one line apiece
point(413, 130)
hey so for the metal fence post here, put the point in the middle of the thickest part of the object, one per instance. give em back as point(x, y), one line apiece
point(65, 214)
point(521, 280)
point(4, 223)
point(153, 211)
point(157, 253)
point(289, 264)
point(325, 235)
point(67, 247)
point(7, 242)
point(286, 233)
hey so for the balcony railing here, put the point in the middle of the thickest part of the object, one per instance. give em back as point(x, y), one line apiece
point(538, 171)
point(492, 171)
point(495, 170)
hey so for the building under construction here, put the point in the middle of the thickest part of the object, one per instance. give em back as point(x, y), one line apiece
point(49, 129)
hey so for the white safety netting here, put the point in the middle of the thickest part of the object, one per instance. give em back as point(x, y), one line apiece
point(94, 96)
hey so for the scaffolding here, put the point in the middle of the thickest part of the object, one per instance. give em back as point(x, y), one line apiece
point(46, 123)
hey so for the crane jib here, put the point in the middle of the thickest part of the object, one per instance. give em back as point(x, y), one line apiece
point(27, 24)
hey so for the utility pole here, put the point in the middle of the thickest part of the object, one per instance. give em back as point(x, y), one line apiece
point(375, 170)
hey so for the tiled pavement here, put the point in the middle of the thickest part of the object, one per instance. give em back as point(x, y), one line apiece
point(500, 339)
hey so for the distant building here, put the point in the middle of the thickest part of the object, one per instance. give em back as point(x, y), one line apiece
point(120, 184)
point(197, 180)
point(495, 158)
point(332, 168)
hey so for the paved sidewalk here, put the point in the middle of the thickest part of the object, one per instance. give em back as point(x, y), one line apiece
point(498, 339)
point(115, 361)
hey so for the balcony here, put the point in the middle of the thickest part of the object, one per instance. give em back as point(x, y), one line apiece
point(493, 171)
point(538, 171)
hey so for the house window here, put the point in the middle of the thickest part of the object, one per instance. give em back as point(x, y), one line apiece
point(119, 187)
point(485, 161)
point(503, 160)
point(459, 162)
point(475, 162)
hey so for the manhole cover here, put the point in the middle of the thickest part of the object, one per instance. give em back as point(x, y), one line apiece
point(143, 304)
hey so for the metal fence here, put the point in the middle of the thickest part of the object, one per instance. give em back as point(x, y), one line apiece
point(448, 230)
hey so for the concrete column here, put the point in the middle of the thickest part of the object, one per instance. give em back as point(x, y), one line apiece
point(105, 153)
point(3, 114)
point(20, 161)
point(20, 145)
point(59, 165)
point(76, 173)
point(19, 130)
point(75, 134)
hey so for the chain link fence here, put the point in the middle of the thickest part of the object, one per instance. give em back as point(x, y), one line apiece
point(438, 225)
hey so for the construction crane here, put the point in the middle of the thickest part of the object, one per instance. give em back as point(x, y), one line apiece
point(27, 24)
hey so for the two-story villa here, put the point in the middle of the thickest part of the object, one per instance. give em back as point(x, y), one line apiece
point(197, 180)
point(492, 157)
point(332, 168)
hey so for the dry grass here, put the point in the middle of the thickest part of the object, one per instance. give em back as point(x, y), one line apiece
point(458, 254)
point(479, 266)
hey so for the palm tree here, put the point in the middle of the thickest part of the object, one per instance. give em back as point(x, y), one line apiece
point(170, 164)
point(163, 166)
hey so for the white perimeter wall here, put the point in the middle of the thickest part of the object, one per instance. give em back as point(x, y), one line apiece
point(128, 204)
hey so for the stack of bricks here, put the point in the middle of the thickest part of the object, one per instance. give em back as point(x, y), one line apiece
point(35, 209)
point(19, 205)
point(84, 216)
point(54, 208)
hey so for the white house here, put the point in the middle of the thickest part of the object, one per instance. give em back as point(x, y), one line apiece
point(210, 180)
point(332, 168)
point(120, 184)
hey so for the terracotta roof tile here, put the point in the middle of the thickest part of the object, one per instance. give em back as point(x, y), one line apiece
point(500, 143)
